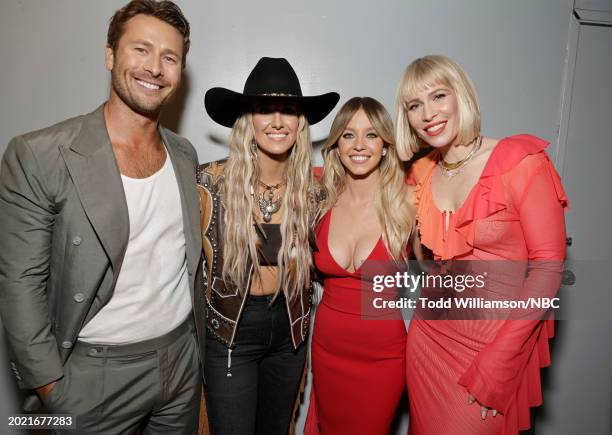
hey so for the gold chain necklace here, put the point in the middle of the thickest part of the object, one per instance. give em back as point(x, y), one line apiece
point(449, 170)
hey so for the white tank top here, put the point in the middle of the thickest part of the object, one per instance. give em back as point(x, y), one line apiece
point(152, 295)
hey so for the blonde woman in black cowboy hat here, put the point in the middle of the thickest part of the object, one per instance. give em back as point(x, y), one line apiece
point(257, 210)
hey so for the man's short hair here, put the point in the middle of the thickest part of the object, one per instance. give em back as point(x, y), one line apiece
point(165, 10)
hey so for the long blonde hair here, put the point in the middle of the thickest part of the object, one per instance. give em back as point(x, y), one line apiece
point(240, 237)
point(429, 71)
point(391, 205)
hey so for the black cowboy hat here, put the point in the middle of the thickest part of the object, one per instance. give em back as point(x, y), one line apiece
point(272, 78)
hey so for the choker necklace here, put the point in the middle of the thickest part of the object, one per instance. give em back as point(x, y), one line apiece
point(449, 170)
point(267, 204)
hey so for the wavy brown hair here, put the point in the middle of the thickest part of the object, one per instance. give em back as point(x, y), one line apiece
point(391, 198)
point(165, 11)
point(241, 175)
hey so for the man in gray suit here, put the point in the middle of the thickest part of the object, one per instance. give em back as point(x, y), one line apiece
point(100, 270)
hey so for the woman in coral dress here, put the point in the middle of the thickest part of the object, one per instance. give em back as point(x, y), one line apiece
point(477, 199)
point(358, 364)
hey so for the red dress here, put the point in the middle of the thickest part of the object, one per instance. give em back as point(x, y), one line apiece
point(358, 365)
point(514, 212)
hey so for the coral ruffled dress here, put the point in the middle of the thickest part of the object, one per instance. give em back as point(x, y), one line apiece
point(358, 365)
point(514, 212)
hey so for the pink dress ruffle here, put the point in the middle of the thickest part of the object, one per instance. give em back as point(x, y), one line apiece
point(494, 223)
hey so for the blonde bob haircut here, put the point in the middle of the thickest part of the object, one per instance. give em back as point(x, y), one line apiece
point(390, 199)
point(427, 72)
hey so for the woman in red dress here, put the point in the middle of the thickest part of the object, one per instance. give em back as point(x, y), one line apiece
point(477, 198)
point(358, 364)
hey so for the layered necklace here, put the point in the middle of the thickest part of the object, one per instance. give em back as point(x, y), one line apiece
point(269, 200)
point(449, 170)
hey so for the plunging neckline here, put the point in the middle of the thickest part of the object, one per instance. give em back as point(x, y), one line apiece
point(472, 189)
point(328, 225)
point(489, 197)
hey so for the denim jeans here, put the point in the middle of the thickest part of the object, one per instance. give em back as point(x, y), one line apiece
point(252, 388)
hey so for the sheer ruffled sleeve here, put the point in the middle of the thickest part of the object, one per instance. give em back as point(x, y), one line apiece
point(506, 374)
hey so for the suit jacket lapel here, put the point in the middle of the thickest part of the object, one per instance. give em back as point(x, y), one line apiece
point(94, 171)
point(97, 180)
point(184, 169)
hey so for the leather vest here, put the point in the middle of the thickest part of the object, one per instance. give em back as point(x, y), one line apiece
point(225, 302)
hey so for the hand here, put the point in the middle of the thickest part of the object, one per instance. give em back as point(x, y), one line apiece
point(44, 391)
point(483, 409)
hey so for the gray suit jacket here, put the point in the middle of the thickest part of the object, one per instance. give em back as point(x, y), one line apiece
point(63, 234)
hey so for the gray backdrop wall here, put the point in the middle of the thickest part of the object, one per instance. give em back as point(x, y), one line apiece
point(515, 52)
point(53, 65)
